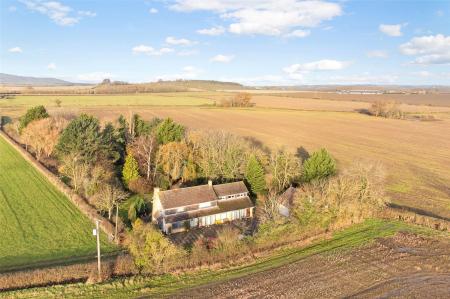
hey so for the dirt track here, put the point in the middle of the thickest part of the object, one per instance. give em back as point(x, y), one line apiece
point(405, 266)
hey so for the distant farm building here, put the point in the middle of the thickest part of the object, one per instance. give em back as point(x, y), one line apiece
point(180, 209)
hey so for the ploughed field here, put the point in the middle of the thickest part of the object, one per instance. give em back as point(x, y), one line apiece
point(39, 225)
point(403, 266)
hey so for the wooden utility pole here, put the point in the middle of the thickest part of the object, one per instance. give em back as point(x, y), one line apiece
point(97, 221)
point(117, 219)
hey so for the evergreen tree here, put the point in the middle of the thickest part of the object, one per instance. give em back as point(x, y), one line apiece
point(254, 175)
point(84, 138)
point(32, 114)
point(169, 131)
point(130, 169)
point(320, 165)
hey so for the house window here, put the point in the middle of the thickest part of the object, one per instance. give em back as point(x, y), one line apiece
point(181, 209)
point(204, 205)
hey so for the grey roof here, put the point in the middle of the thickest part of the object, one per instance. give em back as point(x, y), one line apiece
point(198, 194)
point(230, 188)
point(186, 196)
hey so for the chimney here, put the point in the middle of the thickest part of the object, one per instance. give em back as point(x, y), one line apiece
point(209, 183)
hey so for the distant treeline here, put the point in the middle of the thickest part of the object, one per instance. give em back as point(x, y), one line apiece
point(119, 87)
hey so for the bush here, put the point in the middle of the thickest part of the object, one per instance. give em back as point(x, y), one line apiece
point(387, 109)
point(354, 195)
point(320, 165)
point(32, 114)
point(152, 252)
point(140, 185)
point(137, 208)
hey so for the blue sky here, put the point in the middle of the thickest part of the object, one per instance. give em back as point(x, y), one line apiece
point(256, 42)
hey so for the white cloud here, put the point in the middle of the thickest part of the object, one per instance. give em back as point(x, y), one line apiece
point(179, 41)
point(391, 30)
point(267, 17)
point(222, 58)
point(300, 33)
point(214, 31)
point(153, 10)
point(147, 50)
point(440, 13)
point(59, 13)
point(87, 13)
point(298, 71)
point(12, 8)
point(51, 66)
point(431, 49)
point(15, 50)
point(94, 77)
point(377, 54)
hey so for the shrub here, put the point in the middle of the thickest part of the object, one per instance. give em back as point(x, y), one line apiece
point(354, 195)
point(387, 109)
point(152, 252)
point(137, 208)
point(320, 165)
point(32, 114)
point(140, 185)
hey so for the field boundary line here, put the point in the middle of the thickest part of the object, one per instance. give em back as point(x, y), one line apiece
point(83, 206)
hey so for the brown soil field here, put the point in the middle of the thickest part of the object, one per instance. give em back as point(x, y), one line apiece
point(415, 154)
point(324, 104)
point(402, 266)
point(437, 99)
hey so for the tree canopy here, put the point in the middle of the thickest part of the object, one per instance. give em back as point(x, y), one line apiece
point(130, 169)
point(169, 131)
point(32, 114)
point(254, 175)
point(320, 165)
point(84, 137)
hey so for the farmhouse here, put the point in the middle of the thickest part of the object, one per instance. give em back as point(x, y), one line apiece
point(180, 209)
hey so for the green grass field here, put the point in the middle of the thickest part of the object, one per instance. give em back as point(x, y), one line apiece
point(38, 223)
point(154, 99)
point(158, 286)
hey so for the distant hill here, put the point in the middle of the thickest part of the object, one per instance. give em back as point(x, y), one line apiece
point(13, 80)
point(166, 86)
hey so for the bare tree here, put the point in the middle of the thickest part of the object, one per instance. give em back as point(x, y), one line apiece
point(144, 149)
point(285, 168)
point(42, 135)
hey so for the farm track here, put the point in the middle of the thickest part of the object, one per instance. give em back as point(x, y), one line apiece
point(405, 265)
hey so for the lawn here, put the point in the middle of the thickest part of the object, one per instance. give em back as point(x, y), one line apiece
point(158, 286)
point(154, 99)
point(39, 224)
